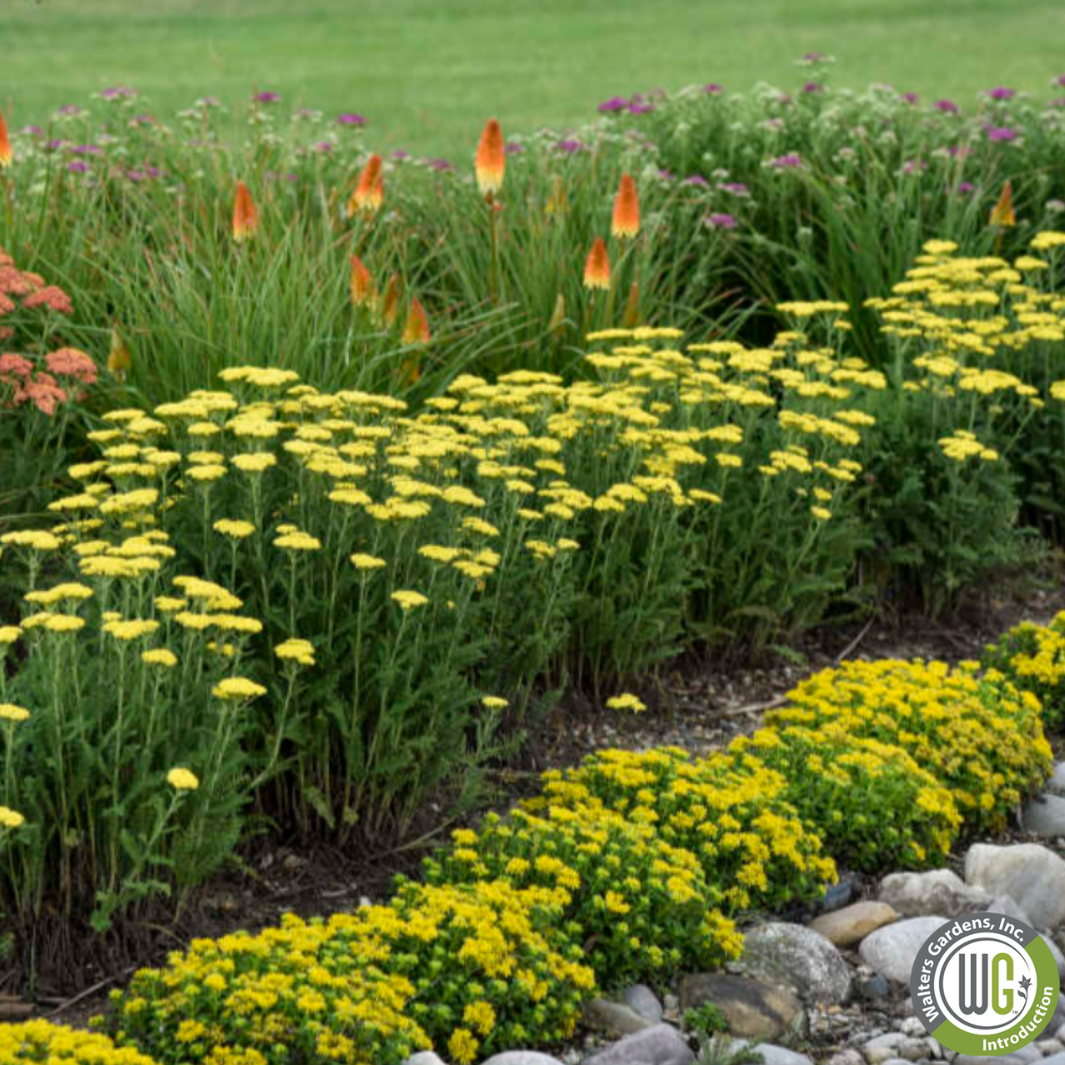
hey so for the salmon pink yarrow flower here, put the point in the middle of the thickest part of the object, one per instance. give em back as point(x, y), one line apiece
point(52, 297)
point(71, 362)
point(19, 365)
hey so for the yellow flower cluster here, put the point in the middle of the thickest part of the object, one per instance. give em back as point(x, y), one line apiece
point(39, 1042)
point(1032, 658)
point(467, 967)
point(968, 311)
point(651, 853)
point(976, 741)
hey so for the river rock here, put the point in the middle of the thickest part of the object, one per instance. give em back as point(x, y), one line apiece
point(613, 1017)
point(1027, 872)
point(661, 1044)
point(1056, 783)
point(937, 891)
point(521, 1057)
point(752, 1009)
point(772, 1054)
point(1009, 906)
point(644, 1001)
point(1044, 816)
point(892, 950)
point(424, 1057)
point(844, 928)
point(798, 957)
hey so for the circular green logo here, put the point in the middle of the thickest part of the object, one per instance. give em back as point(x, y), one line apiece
point(985, 984)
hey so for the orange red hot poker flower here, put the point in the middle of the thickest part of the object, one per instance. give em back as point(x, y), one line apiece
point(416, 328)
point(626, 220)
point(490, 163)
point(369, 194)
point(597, 266)
point(1003, 213)
point(6, 155)
point(245, 216)
point(362, 287)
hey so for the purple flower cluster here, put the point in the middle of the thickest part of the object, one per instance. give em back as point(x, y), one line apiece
point(349, 118)
point(266, 97)
point(1001, 133)
point(789, 161)
point(719, 220)
point(638, 104)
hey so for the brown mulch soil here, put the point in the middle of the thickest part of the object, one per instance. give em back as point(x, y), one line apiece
point(697, 702)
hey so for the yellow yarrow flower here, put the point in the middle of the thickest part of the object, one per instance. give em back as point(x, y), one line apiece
point(10, 818)
point(299, 651)
point(407, 600)
point(182, 779)
point(626, 701)
point(237, 688)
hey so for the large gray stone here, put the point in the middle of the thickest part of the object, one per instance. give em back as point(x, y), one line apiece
point(660, 1044)
point(1006, 1059)
point(1059, 958)
point(1009, 906)
point(613, 1017)
point(1044, 816)
point(1056, 783)
point(644, 1001)
point(1027, 872)
point(752, 1009)
point(772, 1054)
point(892, 950)
point(937, 891)
point(424, 1057)
point(844, 928)
point(521, 1057)
point(798, 957)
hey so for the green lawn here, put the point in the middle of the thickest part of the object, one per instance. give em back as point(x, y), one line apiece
point(428, 72)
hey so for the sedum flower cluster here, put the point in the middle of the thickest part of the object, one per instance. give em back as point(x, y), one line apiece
point(1032, 657)
point(889, 759)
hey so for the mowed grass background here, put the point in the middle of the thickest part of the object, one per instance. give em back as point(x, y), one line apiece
point(426, 73)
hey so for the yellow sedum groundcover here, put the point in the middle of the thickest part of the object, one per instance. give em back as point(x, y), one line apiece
point(630, 866)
